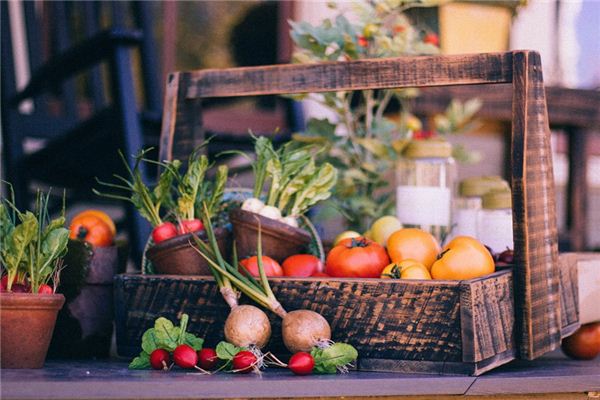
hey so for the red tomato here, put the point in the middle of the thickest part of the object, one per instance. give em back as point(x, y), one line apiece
point(272, 267)
point(320, 274)
point(362, 41)
point(190, 226)
point(164, 231)
point(301, 265)
point(357, 257)
point(584, 344)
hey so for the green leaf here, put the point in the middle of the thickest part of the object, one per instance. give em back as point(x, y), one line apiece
point(195, 342)
point(149, 341)
point(328, 360)
point(226, 351)
point(140, 362)
point(166, 334)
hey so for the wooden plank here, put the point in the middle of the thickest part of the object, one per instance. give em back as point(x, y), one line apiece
point(569, 292)
point(536, 277)
point(352, 75)
point(182, 130)
point(487, 317)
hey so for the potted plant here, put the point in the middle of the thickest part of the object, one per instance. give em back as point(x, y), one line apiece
point(363, 138)
point(31, 256)
point(293, 182)
point(172, 206)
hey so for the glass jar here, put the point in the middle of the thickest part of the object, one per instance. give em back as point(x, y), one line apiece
point(494, 224)
point(468, 203)
point(425, 177)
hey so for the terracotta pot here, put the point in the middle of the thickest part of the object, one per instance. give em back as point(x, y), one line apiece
point(279, 240)
point(27, 322)
point(176, 256)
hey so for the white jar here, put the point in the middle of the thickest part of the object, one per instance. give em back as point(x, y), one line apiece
point(468, 203)
point(495, 227)
point(425, 177)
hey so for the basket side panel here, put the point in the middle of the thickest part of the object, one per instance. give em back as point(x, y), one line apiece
point(537, 296)
point(396, 320)
point(487, 317)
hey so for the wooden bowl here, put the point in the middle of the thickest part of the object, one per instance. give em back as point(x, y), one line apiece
point(279, 240)
point(179, 255)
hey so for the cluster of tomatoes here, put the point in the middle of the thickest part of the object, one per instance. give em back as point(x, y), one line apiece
point(409, 253)
point(297, 266)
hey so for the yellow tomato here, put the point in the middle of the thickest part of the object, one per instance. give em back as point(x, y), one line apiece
point(406, 269)
point(345, 235)
point(383, 227)
point(463, 258)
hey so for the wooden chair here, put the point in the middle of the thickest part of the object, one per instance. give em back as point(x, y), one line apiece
point(79, 95)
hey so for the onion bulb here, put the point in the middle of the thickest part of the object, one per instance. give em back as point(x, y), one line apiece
point(247, 325)
point(304, 329)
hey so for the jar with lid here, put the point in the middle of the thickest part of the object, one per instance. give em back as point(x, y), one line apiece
point(425, 178)
point(468, 203)
point(494, 225)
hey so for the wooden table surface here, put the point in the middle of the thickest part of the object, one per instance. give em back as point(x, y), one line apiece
point(553, 375)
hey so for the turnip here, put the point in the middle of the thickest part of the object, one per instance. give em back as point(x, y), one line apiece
point(247, 326)
point(270, 212)
point(291, 221)
point(304, 329)
point(253, 205)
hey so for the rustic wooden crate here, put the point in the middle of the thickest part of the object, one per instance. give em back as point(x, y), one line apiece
point(535, 282)
point(460, 327)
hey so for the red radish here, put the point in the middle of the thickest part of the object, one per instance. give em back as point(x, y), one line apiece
point(4, 283)
point(362, 41)
point(185, 356)
point(301, 265)
point(244, 361)
point(20, 288)
point(301, 363)
point(45, 289)
point(207, 358)
point(272, 267)
point(190, 226)
point(160, 359)
point(432, 38)
point(164, 231)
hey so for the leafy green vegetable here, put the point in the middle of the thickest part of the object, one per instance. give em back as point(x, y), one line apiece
point(32, 244)
point(330, 359)
point(226, 351)
point(165, 335)
point(190, 184)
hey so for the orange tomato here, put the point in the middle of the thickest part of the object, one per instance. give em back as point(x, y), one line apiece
point(100, 214)
point(412, 243)
point(463, 258)
point(92, 229)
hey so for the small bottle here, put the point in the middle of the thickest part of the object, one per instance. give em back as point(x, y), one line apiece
point(425, 178)
point(494, 225)
point(468, 203)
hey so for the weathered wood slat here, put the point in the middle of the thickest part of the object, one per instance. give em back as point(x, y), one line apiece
point(569, 291)
point(487, 317)
point(352, 75)
point(534, 213)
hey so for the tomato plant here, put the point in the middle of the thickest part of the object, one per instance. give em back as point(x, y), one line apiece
point(92, 229)
point(272, 267)
point(356, 257)
point(463, 258)
point(301, 265)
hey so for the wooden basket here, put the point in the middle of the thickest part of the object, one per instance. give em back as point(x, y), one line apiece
point(441, 326)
